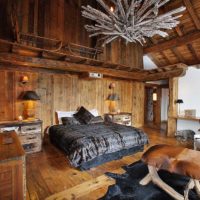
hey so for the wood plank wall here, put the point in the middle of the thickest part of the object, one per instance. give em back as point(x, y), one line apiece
point(67, 92)
point(61, 19)
point(130, 54)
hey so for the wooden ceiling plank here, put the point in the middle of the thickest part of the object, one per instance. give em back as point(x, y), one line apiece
point(193, 52)
point(192, 13)
point(189, 46)
point(178, 55)
point(175, 42)
point(166, 58)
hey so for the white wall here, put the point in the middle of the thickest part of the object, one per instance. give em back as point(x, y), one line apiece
point(164, 104)
point(148, 63)
point(189, 91)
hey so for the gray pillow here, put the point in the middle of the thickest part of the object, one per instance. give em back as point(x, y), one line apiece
point(95, 120)
point(69, 121)
point(83, 115)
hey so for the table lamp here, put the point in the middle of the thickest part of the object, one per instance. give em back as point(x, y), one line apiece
point(30, 98)
point(179, 101)
point(113, 98)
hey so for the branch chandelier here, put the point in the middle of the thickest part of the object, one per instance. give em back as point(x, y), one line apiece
point(132, 20)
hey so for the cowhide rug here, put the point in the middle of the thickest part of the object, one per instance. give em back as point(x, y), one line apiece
point(127, 185)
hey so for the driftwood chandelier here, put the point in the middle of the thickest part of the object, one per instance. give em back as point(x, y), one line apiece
point(132, 20)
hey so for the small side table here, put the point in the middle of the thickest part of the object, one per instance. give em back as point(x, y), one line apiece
point(119, 118)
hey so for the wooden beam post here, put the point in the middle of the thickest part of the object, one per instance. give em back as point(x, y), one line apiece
point(173, 95)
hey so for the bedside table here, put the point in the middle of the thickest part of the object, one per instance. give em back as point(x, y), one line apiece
point(119, 118)
point(29, 133)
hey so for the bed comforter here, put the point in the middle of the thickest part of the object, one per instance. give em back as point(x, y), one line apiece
point(82, 143)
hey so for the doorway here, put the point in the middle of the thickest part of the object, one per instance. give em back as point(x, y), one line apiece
point(156, 105)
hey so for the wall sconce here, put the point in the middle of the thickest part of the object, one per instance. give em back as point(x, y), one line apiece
point(155, 97)
point(111, 9)
point(24, 80)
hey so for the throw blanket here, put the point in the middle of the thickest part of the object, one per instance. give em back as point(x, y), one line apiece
point(83, 143)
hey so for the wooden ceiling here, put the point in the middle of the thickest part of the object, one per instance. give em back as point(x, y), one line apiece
point(183, 43)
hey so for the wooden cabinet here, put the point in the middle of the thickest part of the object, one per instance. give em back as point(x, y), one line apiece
point(119, 118)
point(12, 168)
point(29, 132)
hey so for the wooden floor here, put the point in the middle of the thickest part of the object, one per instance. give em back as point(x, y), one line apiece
point(49, 172)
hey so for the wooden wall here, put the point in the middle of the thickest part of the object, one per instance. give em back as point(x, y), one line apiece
point(67, 92)
point(130, 54)
point(61, 19)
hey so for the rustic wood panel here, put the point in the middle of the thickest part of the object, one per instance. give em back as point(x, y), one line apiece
point(66, 92)
point(138, 104)
point(126, 54)
point(7, 98)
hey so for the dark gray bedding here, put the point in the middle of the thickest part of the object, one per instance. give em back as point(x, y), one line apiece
point(84, 143)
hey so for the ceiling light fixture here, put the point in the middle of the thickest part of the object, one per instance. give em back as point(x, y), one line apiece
point(132, 20)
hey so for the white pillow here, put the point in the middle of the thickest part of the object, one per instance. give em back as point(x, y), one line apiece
point(94, 112)
point(61, 114)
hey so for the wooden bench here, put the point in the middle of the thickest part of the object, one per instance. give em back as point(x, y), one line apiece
point(173, 159)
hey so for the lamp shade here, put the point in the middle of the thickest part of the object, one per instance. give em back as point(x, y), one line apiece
point(113, 97)
point(30, 95)
point(179, 101)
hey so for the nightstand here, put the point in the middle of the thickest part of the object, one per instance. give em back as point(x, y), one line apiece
point(29, 133)
point(119, 118)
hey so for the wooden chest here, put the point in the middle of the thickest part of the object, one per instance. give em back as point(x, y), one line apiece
point(30, 134)
point(12, 168)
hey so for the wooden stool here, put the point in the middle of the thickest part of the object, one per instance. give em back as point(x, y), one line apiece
point(177, 160)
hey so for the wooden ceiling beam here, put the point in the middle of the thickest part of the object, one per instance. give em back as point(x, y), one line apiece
point(144, 75)
point(175, 42)
point(192, 13)
point(15, 59)
point(166, 75)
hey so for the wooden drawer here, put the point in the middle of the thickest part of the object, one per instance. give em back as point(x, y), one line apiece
point(30, 138)
point(32, 147)
point(31, 129)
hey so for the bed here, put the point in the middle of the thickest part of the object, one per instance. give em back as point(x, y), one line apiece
point(89, 145)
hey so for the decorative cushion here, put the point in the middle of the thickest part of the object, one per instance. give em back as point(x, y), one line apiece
point(83, 115)
point(95, 120)
point(69, 121)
